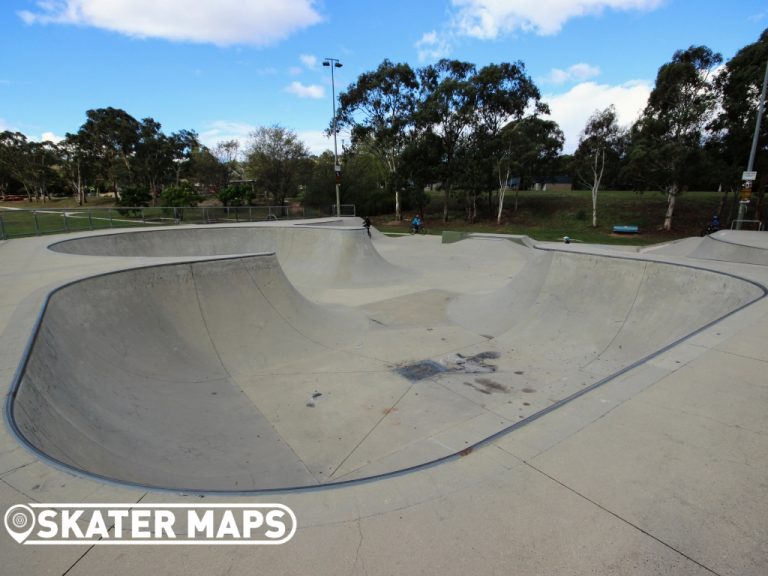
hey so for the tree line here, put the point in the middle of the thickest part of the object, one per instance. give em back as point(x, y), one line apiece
point(473, 134)
point(480, 133)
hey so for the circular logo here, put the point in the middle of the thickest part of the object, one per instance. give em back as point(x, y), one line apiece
point(19, 521)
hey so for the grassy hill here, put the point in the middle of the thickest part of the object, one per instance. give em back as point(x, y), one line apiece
point(546, 215)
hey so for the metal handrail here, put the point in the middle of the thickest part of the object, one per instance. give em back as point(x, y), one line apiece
point(736, 224)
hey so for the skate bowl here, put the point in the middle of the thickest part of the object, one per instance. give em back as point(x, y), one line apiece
point(322, 254)
point(217, 374)
point(746, 247)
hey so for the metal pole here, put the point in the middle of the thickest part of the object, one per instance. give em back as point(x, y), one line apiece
point(334, 63)
point(753, 151)
point(760, 110)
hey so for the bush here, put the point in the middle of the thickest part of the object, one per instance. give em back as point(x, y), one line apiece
point(183, 195)
point(236, 195)
point(133, 196)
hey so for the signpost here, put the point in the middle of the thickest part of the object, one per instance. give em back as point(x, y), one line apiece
point(749, 175)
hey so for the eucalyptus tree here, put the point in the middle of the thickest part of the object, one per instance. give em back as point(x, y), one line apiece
point(531, 147)
point(110, 136)
point(600, 146)
point(13, 160)
point(503, 94)
point(228, 152)
point(668, 138)
point(739, 87)
point(378, 109)
point(33, 164)
point(77, 166)
point(444, 117)
point(205, 168)
point(278, 160)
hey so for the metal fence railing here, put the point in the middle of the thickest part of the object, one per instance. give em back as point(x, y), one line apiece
point(18, 223)
point(751, 225)
point(344, 210)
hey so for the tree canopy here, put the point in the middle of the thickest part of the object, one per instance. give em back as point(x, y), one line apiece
point(470, 132)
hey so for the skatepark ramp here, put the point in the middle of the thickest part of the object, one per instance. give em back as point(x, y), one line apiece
point(746, 247)
point(145, 386)
point(218, 374)
point(317, 255)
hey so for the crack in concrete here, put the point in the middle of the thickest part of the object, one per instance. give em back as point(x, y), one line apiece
point(624, 520)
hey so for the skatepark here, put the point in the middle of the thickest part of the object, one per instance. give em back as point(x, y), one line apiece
point(492, 405)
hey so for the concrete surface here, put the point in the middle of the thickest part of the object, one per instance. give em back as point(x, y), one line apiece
point(192, 359)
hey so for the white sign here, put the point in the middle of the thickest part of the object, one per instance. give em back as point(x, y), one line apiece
point(749, 176)
point(137, 523)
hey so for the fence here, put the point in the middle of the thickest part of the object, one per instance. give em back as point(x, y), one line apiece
point(739, 224)
point(20, 223)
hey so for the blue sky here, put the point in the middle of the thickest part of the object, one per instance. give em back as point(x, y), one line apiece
point(225, 67)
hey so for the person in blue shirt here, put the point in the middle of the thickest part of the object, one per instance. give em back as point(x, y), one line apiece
point(416, 223)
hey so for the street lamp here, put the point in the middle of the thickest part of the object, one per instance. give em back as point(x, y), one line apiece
point(334, 63)
point(749, 176)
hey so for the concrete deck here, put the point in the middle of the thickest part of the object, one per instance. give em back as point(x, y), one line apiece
point(615, 400)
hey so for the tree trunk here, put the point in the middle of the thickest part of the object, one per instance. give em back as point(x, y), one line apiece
point(502, 192)
point(594, 208)
point(723, 201)
point(598, 176)
point(397, 205)
point(80, 190)
point(467, 207)
point(445, 204)
point(671, 198)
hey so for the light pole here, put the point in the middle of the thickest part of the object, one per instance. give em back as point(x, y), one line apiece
point(334, 63)
point(749, 176)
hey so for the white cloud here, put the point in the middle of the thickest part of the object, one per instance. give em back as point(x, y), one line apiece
point(51, 137)
point(432, 46)
point(576, 73)
point(224, 22)
point(572, 109)
point(309, 60)
point(225, 130)
point(488, 19)
point(317, 141)
point(303, 91)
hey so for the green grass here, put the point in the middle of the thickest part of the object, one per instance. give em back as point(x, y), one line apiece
point(540, 215)
point(553, 215)
point(58, 218)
